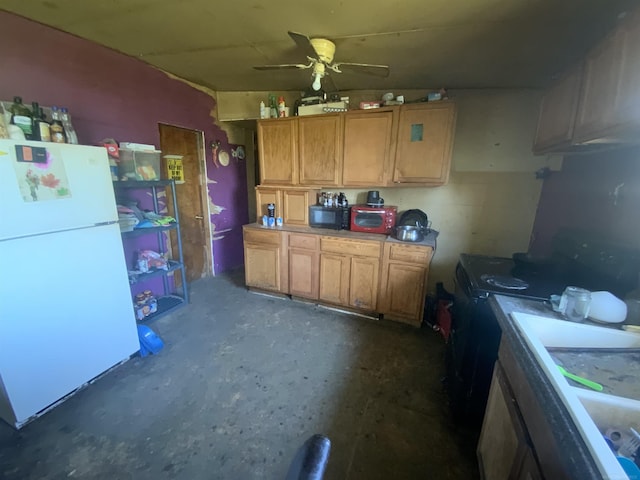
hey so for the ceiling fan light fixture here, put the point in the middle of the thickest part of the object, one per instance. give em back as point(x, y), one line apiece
point(316, 85)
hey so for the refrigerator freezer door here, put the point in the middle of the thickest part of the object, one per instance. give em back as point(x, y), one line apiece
point(47, 187)
point(66, 316)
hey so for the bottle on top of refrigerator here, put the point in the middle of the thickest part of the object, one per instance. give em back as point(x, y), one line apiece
point(21, 117)
point(57, 129)
point(44, 126)
point(281, 107)
point(35, 115)
point(68, 126)
point(263, 111)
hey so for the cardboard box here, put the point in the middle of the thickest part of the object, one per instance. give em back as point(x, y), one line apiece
point(320, 108)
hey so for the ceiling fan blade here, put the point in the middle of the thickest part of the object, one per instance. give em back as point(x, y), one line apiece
point(369, 69)
point(284, 66)
point(304, 43)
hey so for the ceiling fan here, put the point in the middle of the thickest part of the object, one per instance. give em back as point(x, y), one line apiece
point(319, 52)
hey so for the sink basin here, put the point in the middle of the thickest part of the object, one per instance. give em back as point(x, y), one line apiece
point(559, 333)
point(588, 409)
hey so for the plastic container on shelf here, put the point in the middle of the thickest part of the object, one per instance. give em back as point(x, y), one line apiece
point(139, 164)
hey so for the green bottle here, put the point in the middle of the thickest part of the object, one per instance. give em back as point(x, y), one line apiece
point(21, 117)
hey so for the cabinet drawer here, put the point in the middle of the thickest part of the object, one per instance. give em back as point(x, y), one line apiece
point(308, 242)
point(262, 236)
point(350, 247)
point(409, 253)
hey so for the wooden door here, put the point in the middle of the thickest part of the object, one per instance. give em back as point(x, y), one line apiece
point(363, 283)
point(367, 148)
point(265, 196)
point(278, 151)
point(295, 207)
point(334, 278)
point(191, 198)
point(404, 291)
point(320, 149)
point(558, 111)
point(425, 143)
point(262, 266)
point(599, 87)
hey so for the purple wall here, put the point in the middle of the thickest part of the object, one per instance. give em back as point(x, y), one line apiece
point(598, 193)
point(111, 95)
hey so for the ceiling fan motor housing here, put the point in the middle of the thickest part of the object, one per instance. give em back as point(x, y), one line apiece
point(324, 48)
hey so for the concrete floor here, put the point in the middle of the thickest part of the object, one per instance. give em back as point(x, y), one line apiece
point(243, 380)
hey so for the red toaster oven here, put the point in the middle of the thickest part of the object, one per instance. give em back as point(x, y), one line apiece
point(373, 219)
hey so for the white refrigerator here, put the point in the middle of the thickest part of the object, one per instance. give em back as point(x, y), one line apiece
point(66, 313)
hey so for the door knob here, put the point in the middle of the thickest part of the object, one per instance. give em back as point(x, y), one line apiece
point(199, 217)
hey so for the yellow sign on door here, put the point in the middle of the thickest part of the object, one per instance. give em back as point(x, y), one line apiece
point(175, 170)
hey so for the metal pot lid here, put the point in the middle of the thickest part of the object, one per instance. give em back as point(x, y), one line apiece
point(413, 217)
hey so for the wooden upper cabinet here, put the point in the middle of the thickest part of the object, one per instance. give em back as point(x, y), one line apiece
point(320, 149)
point(278, 146)
point(368, 143)
point(599, 89)
point(425, 143)
point(558, 112)
point(265, 196)
point(626, 104)
point(295, 206)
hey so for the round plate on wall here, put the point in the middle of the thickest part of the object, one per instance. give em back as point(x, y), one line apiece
point(223, 158)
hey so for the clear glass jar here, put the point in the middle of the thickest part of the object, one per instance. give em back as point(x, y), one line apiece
point(575, 303)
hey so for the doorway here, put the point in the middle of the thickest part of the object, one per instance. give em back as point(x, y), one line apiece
point(191, 197)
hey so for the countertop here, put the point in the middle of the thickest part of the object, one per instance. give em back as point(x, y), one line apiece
point(578, 460)
point(429, 240)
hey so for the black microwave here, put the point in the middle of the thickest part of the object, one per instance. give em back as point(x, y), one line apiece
point(336, 218)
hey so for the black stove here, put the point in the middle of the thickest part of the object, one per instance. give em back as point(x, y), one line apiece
point(472, 346)
point(480, 275)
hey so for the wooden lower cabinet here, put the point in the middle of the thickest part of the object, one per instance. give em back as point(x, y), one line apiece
point(404, 282)
point(335, 271)
point(504, 449)
point(363, 283)
point(304, 264)
point(264, 261)
point(360, 274)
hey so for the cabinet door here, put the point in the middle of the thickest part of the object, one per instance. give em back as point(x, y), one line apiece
point(320, 141)
point(334, 278)
point(425, 143)
point(627, 96)
point(502, 445)
point(367, 148)
point(262, 266)
point(558, 111)
point(363, 283)
point(265, 196)
point(295, 207)
point(529, 470)
point(303, 273)
point(278, 151)
point(599, 87)
point(404, 292)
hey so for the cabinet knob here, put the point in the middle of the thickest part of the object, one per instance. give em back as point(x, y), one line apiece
point(199, 217)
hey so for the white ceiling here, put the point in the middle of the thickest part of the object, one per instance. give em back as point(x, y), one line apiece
point(427, 43)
